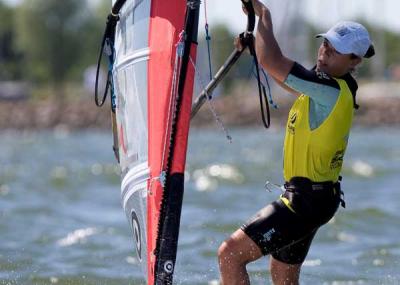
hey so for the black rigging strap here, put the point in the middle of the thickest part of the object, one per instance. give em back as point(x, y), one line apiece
point(251, 16)
point(247, 40)
point(107, 47)
point(262, 94)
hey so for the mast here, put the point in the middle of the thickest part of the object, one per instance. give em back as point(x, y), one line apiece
point(171, 206)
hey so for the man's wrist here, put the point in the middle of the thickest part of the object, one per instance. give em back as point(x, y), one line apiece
point(264, 12)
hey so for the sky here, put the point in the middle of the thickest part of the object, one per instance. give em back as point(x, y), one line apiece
point(320, 12)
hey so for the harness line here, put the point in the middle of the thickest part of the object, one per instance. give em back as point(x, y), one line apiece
point(210, 104)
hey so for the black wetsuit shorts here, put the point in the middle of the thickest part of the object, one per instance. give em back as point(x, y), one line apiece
point(285, 228)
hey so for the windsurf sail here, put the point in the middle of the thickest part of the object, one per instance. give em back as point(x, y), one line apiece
point(151, 48)
point(149, 43)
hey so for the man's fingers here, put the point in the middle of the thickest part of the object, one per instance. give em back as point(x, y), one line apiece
point(237, 44)
point(257, 5)
point(244, 9)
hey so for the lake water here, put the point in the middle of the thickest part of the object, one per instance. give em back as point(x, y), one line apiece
point(61, 220)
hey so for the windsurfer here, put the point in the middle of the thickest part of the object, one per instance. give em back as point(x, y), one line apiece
point(316, 138)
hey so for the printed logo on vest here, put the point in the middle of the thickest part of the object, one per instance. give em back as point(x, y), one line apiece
point(322, 75)
point(291, 123)
point(337, 159)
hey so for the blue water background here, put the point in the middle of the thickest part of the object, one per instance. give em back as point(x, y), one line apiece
point(61, 220)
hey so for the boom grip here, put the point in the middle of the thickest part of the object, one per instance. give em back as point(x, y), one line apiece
point(251, 16)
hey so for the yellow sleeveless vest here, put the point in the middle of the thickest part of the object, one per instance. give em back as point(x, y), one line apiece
point(317, 154)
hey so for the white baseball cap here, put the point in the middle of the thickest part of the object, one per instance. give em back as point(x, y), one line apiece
point(350, 38)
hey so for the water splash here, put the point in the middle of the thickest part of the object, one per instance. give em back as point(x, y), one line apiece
point(77, 236)
point(312, 262)
point(363, 169)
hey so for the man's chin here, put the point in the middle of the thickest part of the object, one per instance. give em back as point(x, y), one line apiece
point(320, 68)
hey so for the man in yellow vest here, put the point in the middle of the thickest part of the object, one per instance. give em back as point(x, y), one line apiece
point(316, 138)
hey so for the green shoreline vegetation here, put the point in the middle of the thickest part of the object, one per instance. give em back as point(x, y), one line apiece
point(50, 48)
point(241, 108)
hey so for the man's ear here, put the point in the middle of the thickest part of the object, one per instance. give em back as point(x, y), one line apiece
point(354, 62)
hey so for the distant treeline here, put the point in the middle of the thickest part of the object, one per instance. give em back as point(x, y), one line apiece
point(52, 43)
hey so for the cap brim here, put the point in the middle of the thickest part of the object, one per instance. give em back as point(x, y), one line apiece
point(333, 41)
point(370, 52)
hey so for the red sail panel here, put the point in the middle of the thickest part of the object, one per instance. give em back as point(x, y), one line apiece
point(166, 23)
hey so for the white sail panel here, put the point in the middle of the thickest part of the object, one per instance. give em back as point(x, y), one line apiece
point(130, 87)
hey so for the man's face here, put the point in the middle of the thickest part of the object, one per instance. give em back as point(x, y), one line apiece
point(334, 63)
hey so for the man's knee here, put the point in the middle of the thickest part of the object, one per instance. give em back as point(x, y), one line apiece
point(238, 249)
point(227, 251)
point(230, 252)
point(283, 273)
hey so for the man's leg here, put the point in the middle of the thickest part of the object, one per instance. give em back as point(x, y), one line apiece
point(233, 256)
point(283, 273)
point(274, 228)
point(285, 264)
